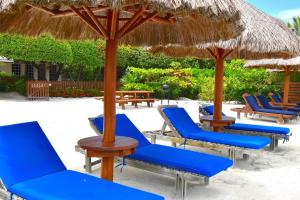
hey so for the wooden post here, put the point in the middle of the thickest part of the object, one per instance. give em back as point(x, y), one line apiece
point(218, 93)
point(286, 88)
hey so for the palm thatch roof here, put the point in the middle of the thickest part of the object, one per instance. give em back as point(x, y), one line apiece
point(263, 37)
point(180, 21)
point(278, 64)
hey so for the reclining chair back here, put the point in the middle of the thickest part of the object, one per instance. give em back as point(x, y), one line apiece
point(26, 153)
point(264, 102)
point(124, 127)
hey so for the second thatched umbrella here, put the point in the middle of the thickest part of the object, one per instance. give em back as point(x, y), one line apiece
point(263, 37)
point(135, 22)
point(286, 65)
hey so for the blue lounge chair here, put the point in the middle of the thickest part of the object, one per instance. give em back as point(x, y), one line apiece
point(253, 108)
point(183, 126)
point(31, 169)
point(273, 132)
point(184, 164)
point(265, 104)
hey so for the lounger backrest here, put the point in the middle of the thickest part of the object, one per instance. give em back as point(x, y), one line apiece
point(210, 110)
point(26, 153)
point(181, 121)
point(124, 127)
point(264, 101)
point(276, 98)
point(252, 103)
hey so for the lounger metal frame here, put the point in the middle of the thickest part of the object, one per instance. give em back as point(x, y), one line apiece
point(274, 137)
point(182, 178)
point(176, 138)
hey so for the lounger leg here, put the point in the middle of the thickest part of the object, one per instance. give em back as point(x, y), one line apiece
point(164, 127)
point(231, 155)
point(183, 188)
point(153, 139)
point(206, 181)
point(88, 164)
point(177, 183)
point(246, 156)
point(173, 144)
point(273, 144)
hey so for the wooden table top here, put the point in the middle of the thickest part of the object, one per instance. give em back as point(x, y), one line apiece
point(134, 92)
point(211, 118)
point(95, 144)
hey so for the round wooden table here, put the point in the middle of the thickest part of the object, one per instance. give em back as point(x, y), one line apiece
point(94, 147)
point(217, 124)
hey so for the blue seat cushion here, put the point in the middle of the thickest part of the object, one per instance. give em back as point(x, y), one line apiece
point(260, 128)
point(282, 112)
point(265, 103)
point(70, 185)
point(124, 128)
point(26, 153)
point(186, 127)
point(243, 141)
point(276, 98)
point(183, 160)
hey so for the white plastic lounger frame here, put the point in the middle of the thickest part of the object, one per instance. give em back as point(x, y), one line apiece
point(176, 138)
point(5, 195)
point(274, 137)
point(181, 178)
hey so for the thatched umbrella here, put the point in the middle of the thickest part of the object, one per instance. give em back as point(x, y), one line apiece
point(135, 22)
point(286, 65)
point(263, 37)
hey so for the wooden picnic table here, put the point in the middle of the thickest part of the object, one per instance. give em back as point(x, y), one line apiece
point(134, 97)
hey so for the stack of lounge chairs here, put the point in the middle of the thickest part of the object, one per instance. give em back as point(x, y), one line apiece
point(275, 133)
point(253, 107)
point(277, 100)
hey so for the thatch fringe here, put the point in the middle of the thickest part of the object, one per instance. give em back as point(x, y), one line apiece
point(263, 37)
point(280, 64)
point(219, 17)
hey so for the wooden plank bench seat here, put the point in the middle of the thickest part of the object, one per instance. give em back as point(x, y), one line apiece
point(122, 102)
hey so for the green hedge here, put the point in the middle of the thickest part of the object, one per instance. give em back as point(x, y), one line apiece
point(10, 83)
point(199, 83)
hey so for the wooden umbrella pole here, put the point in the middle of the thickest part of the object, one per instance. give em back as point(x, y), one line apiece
point(109, 105)
point(286, 88)
point(218, 93)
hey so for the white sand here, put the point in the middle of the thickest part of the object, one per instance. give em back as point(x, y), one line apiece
point(265, 176)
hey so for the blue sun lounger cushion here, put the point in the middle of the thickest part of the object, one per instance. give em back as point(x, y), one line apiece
point(31, 169)
point(254, 105)
point(170, 157)
point(265, 103)
point(252, 127)
point(186, 127)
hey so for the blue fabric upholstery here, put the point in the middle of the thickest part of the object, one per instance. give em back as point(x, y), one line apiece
point(188, 129)
point(70, 185)
point(26, 153)
point(276, 98)
point(179, 159)
point(31, 169)
point(253, 103)
point(183, 160)
point(124, 128)
point(282, 112)
point(256, 128)
point(265, 103)
point(260, 128)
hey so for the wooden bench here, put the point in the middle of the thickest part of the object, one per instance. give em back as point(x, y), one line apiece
point(239, 111)
point(123, 102)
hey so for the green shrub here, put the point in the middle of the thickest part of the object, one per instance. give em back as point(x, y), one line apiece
point(181, 81)
point(20, 86)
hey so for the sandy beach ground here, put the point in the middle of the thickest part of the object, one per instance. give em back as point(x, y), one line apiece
point(265, 176)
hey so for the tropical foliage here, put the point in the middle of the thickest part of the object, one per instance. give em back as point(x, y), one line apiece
point(295, 25)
